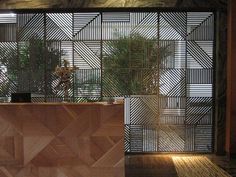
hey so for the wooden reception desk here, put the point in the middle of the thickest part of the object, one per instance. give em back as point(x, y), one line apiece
point(61, 140)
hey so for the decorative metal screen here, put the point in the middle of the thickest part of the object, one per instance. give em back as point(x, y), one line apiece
point(161, 62)
point(179, 117)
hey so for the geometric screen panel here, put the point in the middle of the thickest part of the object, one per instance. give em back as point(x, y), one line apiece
point(160, 62)
point(179, 117)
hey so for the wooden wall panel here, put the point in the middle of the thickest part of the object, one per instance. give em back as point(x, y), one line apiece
point(22, 4)
point(231, 83)
point(68, 140)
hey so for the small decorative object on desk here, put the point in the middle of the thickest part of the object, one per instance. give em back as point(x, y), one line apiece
point(119, 101)
point(64, 73)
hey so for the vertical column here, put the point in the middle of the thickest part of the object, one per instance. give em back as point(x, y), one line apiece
point(231, 82)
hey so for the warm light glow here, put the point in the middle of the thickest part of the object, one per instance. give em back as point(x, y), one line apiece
point(194, 165)
point(197, 166)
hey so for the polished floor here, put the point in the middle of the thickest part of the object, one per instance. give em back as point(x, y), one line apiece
point(178, 166)
point(224, 163)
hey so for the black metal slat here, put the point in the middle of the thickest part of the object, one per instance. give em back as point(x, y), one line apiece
point(181, 96)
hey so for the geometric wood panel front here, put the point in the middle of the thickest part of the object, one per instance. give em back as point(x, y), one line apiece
point(66, 140)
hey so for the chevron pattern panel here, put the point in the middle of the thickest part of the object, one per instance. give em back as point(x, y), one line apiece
point(52, 140)
point(179, 118)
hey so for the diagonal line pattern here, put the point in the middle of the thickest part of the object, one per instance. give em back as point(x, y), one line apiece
point(24, 19)
point(177, 21)
point(137, 18)
point(203, 31)
point(111, 86)
point(172, 87)
point(7, 86)
point(171, 139)
point(183, 78)
point(90, 30)
point(87, 54)
point(143, 110)
point(62, 21)
point(56, 32)
point(33, 28)
point(199, 54)
point(197, 108)
point(147, 27)
point(127, 138)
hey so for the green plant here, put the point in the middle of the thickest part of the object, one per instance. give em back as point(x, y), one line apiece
point(8, 69)
point(30, 64)
point(131, 65)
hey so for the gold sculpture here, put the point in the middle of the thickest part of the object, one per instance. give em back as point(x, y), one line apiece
point(64, 73)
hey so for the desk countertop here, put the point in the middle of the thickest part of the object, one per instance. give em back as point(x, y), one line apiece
point(62, 103)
